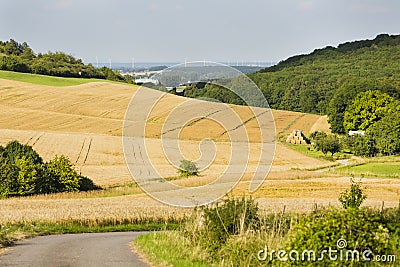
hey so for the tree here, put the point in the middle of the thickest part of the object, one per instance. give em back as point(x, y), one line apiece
point(329, 143)
point(8, 181)
point(14, 150)
point(28, 173)
point(343, 97)
point(317, 135)
point(368, 108)
point(187, 168)
point(308, 100)
point(364, 146)
point(387, 134)
point(64, 176)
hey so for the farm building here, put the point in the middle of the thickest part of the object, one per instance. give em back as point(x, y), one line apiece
point(352, 133)
point(297, 137)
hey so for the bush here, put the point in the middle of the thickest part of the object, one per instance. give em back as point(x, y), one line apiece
point(187, 168)
point(350, 229)
point(354, 197)
point(218, 233)
point(61, 176)
point(230, 217)
point(23, 172)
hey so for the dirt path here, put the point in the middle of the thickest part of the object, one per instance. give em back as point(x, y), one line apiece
point(100, 249)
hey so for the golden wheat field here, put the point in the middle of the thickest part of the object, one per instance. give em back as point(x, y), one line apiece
point(85, 123)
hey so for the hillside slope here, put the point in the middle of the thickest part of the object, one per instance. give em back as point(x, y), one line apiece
point(327, 80)
point(85, 123)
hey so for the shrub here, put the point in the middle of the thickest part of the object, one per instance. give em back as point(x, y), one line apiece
point(23, 172)
point(341, 230)
point(61, 176)
point(354, 197)
point(230, 217)
point(187, 168)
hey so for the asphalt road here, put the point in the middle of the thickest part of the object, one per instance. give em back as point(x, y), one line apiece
point(99, 249)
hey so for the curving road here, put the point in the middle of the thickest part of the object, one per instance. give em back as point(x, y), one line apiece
point(99, 249)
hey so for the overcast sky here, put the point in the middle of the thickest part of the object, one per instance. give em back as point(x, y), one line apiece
point(172, 30)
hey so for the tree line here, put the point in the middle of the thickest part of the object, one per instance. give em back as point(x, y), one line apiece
point(328, 80)
point(356, 84)
point(19, 57)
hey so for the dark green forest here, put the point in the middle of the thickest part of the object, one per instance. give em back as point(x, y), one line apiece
point(325, 81)
point(19, 57)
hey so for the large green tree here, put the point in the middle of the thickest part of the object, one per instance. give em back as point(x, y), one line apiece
point(367, 109)
point(387, 134)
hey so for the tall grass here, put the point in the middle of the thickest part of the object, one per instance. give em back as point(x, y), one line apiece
point(193, 244)
point(201, 240)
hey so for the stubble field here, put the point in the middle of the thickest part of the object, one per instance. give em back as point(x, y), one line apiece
point(85, 122)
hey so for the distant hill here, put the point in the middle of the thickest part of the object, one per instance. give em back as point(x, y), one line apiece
point(328, 79)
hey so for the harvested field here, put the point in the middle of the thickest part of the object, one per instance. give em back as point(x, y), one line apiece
point(85, 122)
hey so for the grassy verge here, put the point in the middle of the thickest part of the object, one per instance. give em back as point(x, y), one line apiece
point(373, 169)
point(231, 235)
point(10, 233)
point(170, 248)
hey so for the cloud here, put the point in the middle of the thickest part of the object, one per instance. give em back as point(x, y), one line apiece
point(154, 6)
point(306, 5)
point(371, 9)
point(64, 4)
point(179, 7)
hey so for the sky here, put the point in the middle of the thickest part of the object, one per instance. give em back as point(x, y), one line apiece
point(213, 30)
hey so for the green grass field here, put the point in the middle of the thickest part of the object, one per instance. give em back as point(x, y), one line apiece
point(374, 169)
point(311, 152)
point(45, 80)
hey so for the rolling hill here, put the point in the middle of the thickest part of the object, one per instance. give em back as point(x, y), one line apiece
point(85, 123)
